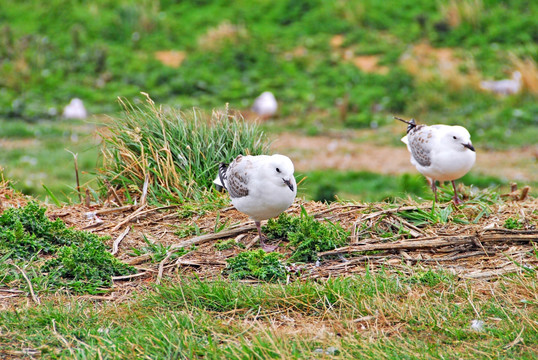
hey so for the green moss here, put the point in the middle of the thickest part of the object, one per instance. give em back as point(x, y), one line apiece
point(256, 264)
point(307, 235)
point(80, 261)
point(512, 223)
point(85, 268)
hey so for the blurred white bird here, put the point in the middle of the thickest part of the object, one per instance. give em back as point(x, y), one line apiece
point(75, 110)
point(440, 152)
point(504, 87)
point(265, 105)
point(260, 186)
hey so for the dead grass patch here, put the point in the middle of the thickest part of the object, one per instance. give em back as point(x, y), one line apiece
point(370, 64)
point(427, 63)
point(456, 12)
point(171, 58)
point(529, 72)
point(222, 35)
point(366, 63)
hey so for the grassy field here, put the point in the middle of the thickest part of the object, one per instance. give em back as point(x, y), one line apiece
point(334, 67)
point(280, 305)
point(378, 315)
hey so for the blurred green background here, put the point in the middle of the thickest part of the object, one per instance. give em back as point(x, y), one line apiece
point(334, 66)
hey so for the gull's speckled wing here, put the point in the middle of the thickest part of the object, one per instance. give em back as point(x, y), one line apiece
point(236, 178)
point(420, 141)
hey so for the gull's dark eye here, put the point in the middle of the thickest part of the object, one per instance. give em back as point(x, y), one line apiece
point(277, 170)
point(454, 137)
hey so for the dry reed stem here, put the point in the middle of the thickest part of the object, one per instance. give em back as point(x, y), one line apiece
point(34, 296)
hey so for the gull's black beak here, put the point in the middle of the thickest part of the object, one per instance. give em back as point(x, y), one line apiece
point(469, 146)
point(288, 182)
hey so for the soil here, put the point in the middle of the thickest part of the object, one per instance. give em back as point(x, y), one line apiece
point(343, 153)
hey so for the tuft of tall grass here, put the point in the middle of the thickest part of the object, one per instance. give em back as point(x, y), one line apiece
point(529, 72)
point(178, 151)
point(457, 12)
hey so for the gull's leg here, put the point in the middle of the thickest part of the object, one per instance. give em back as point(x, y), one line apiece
point(456, 199)
point(434, 189)
point(263, 245)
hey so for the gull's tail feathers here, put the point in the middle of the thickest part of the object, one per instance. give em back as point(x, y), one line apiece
point(221, 177)
point(411, 124)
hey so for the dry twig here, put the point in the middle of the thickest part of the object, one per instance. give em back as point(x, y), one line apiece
point(34, 296)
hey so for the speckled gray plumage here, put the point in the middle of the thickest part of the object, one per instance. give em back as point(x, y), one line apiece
point(420, 138)
point(234, 178)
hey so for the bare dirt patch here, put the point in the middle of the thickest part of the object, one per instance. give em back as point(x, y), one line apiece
point(171, 58)
point(342, 153)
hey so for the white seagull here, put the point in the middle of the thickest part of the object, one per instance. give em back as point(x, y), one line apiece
point(440, 152)
point(75, 110)
point(260, 186)
point(265, 105)
point(505, 86)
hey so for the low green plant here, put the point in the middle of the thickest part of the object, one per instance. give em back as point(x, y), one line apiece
point(27, 231)
point(157, 251)
point(86, 267)
point(513, 224)
point(307, 235)
point(437, 215)
point(185, 230)
point(256, 264)
point(227, 244)
point(80, 261)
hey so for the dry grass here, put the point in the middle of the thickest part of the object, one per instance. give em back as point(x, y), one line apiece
point(427, 63)
point(222, 35)
point(363, 306)
point(529, 72)
point(456, 12)
point(369, 223)
point(171, 58)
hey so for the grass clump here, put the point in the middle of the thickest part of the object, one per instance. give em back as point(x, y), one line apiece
point(158, 251)
point(179, 152)
point(306, 235)
point(256, 264)
point(80, 260)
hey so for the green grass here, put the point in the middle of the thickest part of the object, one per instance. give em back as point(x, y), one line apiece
point(324, 185)
point(178, 152)
point(80, 49)
point(36, 154)
point(427, 315)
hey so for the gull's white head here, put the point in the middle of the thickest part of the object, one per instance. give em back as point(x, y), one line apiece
point(265, 104)
point(267, 96)
point(279, 170)
point(458, 138)
point(76, 102)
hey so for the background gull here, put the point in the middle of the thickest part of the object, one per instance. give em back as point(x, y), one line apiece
point(505, 86)
point(265, 105)
point(75, 110)
point(440, 152)
point(260, 186)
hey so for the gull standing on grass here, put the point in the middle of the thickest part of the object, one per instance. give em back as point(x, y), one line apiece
point(260, 186)
point(440, 152)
